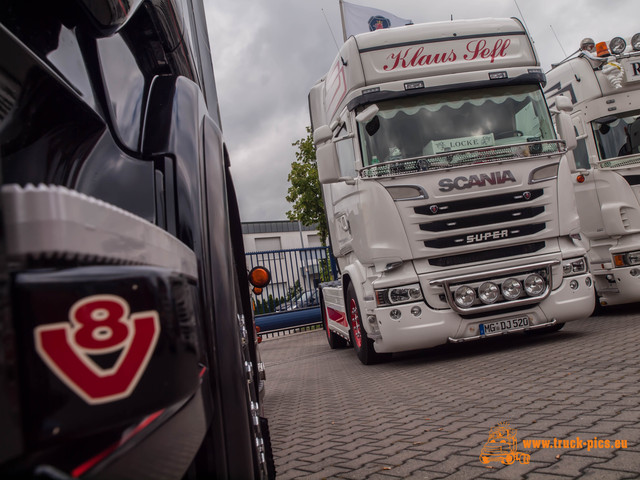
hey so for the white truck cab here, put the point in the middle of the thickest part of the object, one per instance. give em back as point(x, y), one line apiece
point(600, 84)
point(445, 187)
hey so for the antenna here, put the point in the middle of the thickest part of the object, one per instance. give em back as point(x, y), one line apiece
point(331, 31)
point(524, 21)
point(332, 36)
point(558, 40)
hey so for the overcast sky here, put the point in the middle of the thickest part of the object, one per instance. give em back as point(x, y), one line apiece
point(268, 54)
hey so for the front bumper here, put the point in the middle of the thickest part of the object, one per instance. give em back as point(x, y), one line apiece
point(436, 327)
point(618, 286)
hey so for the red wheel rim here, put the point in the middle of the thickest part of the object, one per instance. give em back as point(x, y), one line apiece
point(325, 319)
point(355, 323)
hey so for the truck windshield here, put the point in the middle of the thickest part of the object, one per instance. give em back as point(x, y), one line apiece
point(438, 123)
point(618, 136)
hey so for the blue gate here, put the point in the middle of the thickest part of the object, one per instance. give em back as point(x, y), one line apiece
point(291, 299)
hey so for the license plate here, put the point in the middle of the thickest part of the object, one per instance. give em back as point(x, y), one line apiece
point(504, 325)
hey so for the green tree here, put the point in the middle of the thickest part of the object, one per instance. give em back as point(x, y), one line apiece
point(305, 193)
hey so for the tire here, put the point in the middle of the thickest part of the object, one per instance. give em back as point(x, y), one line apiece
point(359, 339)
point(334, 340)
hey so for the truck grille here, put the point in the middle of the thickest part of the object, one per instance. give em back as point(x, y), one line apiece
point(487, 255)
point(485, 236)
point(478, 203)
point(478, 220)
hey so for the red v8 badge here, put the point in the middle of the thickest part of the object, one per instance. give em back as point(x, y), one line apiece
point(99, 324)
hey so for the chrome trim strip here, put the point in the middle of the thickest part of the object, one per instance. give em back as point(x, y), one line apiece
point(53, 221)
point(371, 172)
point(493, 273)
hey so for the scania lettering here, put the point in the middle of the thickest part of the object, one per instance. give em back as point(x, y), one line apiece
point(447, 190)
point(128, 346)
point(460, 183)
point(599, 86)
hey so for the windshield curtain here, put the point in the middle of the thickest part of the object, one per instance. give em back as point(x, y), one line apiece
point(617, 136)
point(438, 123)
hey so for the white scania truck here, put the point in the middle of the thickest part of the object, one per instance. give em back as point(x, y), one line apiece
point(604, 102)
point(442, 175)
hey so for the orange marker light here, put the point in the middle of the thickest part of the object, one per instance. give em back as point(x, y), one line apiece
point(257, 290)
point(259, 277)
point(580, 178)
point(618, 260)
point(602, 50)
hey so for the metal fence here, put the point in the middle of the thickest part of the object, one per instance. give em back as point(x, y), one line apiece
point(295, 276)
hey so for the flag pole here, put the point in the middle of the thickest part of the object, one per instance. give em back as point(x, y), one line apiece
point(344, 29)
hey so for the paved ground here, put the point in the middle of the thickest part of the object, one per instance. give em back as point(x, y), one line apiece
point(427, 414)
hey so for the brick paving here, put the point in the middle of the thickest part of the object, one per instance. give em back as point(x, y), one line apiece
point(427, 414)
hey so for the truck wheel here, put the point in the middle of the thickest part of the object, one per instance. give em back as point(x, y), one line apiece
point(359, 339)
point(335, 340)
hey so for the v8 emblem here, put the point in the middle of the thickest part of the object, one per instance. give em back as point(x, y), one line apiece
point(99, 324)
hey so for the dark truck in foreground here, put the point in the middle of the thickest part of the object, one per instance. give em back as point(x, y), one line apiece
point(127, 341)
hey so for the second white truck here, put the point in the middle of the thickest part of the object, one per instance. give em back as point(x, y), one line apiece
point(445, 187)
point(601, 87)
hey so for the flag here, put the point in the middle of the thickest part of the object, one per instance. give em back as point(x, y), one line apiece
point(359, 19)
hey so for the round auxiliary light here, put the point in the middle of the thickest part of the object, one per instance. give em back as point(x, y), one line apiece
point(617, 45)
point(534, 285)
point(588, 44)
point(488, 293)
point(511, 289)
point(464, 296)
point(635, 42)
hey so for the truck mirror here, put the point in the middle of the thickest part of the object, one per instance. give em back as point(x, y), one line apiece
point(566, 130)
point(326, 155)
point(328, 165)
point(564, 104)
point(322, 134)
point(367, 114)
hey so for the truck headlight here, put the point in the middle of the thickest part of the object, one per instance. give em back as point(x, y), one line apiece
point(488, 293)
point(396, 295)
point(464, 296)
point(617, 45)
point(534, 285)
point(626, 259)
point(633, 258)
point(511, 288)
point(574, 266)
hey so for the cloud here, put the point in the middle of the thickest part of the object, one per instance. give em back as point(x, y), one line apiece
point(267, 55)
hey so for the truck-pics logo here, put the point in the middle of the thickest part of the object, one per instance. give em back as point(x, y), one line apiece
point(462, 183)
point(502, 446)
point(99, 324)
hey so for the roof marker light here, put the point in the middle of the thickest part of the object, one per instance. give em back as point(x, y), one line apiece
point(602, 50)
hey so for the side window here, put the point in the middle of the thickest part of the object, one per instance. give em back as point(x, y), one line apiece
point(580, 154)
point(346, 154)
